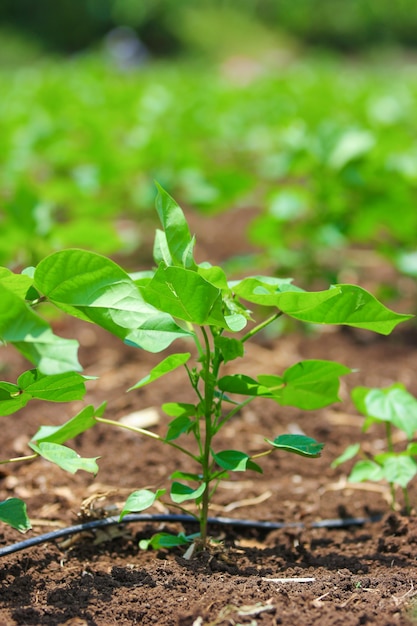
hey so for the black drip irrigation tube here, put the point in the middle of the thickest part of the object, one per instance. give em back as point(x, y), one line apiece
point(189, 519)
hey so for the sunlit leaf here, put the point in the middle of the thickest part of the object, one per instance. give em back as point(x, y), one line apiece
point(140, 500)
point(65, 458)
point(95, 289)
point(81, 422)
point(33, 337)
point(179, 241)
point(169, 364)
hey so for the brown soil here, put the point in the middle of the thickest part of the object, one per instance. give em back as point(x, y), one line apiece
point(355, 575)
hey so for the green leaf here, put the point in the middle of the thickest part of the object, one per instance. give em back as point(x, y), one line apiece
point(64, 387)
point(230, 348)
point(366, 470)
point(164, 367)
point(13, 512)
point(12, 399)
point(18, 284)
point(178, 238)
point(263, 290)
point(350, 452)
point(395, 405)
point(341, 304)
point(184, 294)
point(308, 385)
point(140, 500)
point(178, 426)
point(81, 422)
point(97, 290)
point(185, 476)
point(33, 337)
point(179, 409)
point(298, 444)
point(236, 461)
point(180, 493)
point(399, 469)
point(65, 458)
point(165, 540)
point(348, 305)
point(244, 385)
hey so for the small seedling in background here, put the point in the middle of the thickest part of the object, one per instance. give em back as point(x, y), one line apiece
point(184, 300)
point(395, 408)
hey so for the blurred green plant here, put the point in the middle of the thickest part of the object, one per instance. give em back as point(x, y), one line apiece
point(395, 408)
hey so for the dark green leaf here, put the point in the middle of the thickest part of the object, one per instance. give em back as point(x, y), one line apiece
point(298, 444)
point(13, 512)
point(236, 461)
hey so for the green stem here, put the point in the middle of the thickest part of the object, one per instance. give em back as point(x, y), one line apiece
point(236, 409)
point(260, 326)
point(205, 461)
point(17, 459)
point(147, 433)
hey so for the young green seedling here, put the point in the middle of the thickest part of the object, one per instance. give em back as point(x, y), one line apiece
point(181, 299)
point(395, 408)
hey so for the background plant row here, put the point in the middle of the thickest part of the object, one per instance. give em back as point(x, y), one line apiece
point(324, 149)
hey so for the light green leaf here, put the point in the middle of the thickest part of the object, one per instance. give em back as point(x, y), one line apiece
point(308, 385)
point(348, 305)
point(12, 399)
point(350, 452)
point(178, 238)
point(397, 468)
point(353, 144)
point(366, 470)
point(262, 290)
point(13, 512)
point(186, 295)
point(64, 387)
point(236, 461)
point(341, 304)
point(16, 283)
point(33, 337)
point(395, 405)
point(81, 422)
point(65, 458)
point(140, 500)
point(169, 364)
point(298, 444)
point(180, 493)
point(95, 289)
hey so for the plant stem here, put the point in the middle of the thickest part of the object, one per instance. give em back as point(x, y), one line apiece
point(147, 433)
point(205, 461)
point(260, 326)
